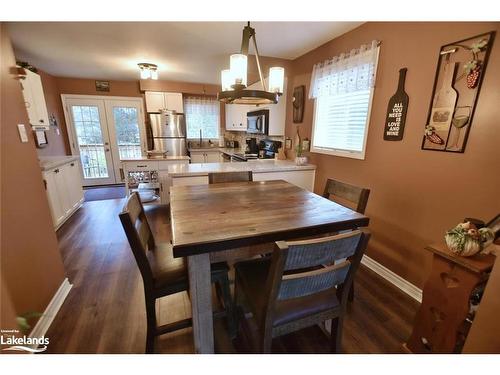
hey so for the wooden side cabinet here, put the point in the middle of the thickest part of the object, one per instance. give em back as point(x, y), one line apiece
point(445, 304)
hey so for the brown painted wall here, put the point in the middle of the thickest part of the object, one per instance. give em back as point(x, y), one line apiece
point(415, 195)
point(58, 143)
point(31, 265)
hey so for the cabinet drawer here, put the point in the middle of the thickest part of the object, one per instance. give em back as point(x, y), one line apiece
point(141, 166)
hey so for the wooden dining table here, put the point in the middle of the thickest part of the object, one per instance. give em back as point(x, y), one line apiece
point(214, 218)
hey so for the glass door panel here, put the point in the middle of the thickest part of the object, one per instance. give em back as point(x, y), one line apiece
point(128, 137)
point(126, 131)
point(92, 140)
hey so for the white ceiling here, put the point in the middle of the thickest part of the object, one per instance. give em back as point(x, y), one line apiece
point(183, 51)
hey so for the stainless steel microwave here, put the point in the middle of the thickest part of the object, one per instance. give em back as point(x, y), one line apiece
point(258, 122)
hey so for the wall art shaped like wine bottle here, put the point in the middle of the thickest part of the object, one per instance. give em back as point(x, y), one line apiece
point(459, 75)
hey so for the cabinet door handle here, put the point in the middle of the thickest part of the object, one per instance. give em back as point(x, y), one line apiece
point(141, 166)
point(45, 184)
point(41, 120)
point(56, 170)
point(72, 164)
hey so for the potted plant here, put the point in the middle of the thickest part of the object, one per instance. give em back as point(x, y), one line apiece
point(299, 158)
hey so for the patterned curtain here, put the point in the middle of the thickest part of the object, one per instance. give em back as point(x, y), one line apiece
point(202, 113)
point(348, 72)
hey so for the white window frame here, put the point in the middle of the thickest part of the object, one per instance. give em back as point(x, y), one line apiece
point(346, 153)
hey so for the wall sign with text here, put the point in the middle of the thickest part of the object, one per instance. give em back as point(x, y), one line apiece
point(396, 111)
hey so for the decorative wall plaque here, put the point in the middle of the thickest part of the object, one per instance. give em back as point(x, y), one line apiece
point(396, 111)
point(459, 75)
point(298, 104)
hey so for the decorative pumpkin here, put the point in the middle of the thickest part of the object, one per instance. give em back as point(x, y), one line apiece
point(466, 240)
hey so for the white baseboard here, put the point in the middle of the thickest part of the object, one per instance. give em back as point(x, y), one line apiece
point(398, 281)
point(43, 324)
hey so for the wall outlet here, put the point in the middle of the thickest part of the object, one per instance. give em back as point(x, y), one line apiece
point(22, 133)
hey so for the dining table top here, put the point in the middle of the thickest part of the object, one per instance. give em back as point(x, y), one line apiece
point(208, 218)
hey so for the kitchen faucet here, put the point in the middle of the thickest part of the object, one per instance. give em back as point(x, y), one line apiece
point(201, 137)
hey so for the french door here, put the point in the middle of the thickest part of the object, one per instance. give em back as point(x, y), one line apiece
point(104, 131)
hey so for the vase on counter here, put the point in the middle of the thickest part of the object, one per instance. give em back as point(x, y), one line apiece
point(301, 160)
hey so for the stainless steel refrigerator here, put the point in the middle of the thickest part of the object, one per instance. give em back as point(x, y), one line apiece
point(168, 130)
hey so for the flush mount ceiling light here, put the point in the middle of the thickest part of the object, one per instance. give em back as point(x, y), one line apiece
point(148, 71)
point(234, 79)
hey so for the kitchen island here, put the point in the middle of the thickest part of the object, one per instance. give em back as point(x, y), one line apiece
point(262, 169)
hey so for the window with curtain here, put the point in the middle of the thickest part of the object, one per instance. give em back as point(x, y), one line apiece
point(202, 114)
point(342, 89)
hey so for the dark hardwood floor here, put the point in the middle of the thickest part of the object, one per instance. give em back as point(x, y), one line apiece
point(105, 313)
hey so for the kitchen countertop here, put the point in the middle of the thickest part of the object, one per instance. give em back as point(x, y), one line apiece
point(50, 162)
point(166, 158)
point(256, 166)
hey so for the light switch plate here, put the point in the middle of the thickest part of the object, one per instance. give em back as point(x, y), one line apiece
point(22, 133)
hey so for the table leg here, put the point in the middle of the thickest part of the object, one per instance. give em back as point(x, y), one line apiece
point(200, 288)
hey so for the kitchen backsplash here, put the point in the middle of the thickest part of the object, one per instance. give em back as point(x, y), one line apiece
point(242, 136)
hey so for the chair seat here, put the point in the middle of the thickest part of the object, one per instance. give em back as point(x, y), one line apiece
point(252, 275)
point(170, 274)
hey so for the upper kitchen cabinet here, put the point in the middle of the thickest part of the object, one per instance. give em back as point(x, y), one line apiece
point(34, 99)
point(164, 100)
point(236, 117)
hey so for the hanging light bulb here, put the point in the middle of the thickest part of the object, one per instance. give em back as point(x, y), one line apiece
point(154, 73)
point(144, 72)
point(276, 79)
point(226, 79)
point(238, 67)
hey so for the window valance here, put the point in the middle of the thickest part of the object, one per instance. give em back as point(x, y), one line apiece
point(348, 72)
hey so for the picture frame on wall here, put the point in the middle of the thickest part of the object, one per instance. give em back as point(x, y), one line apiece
point(102, 86)
point(459, 75)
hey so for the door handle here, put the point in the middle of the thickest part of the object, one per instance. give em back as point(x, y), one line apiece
point(106, 149)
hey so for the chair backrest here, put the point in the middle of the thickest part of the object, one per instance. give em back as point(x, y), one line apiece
point(139, 235)
point(356, 195)
point(303, 268)
point(220, 177)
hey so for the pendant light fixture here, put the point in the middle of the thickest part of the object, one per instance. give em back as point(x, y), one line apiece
point(234, 79)
point(148, 71)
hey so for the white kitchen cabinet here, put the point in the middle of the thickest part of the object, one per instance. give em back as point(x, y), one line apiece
point(155, 101)
point(174, 101)
point(64, 191)
point(204, 156)
point(34, 100)
point(212, 157)
point(52, 183)
point(236, 117)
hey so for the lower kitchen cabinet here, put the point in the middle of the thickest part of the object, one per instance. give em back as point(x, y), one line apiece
point(205, 156)
point(64, 191)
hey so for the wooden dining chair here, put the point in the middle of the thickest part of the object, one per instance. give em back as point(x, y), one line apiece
point(301, 285)
point(162, 274)
point(220, 177)
point(345, 194)
point(350, 196)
